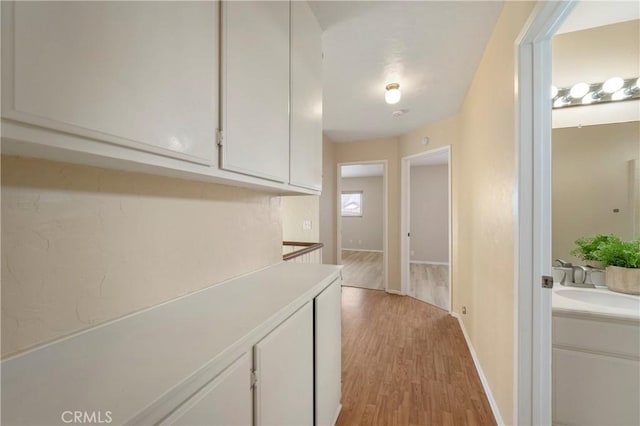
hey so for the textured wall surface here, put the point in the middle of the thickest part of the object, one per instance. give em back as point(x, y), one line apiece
point(83, 245)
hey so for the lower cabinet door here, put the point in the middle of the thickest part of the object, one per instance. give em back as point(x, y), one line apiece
point(328, 336)
point(225, 401)
point(284, 370)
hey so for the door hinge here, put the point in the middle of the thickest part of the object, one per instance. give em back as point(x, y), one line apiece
point(254, 379)
point(219, 137)
point(547, 281)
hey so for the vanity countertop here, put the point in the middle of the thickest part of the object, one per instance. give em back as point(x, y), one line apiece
point(596, 302)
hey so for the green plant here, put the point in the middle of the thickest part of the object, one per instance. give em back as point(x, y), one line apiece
point(615, 252)
point(586, 247)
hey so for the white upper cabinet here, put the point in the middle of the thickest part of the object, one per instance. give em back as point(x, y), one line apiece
point(306, 97)
point(255, 88)
point(141, 75)
point(226, 92)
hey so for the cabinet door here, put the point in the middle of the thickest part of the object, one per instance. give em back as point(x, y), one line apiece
point(255, 88)
point(328, 345)
point(143, 75)
point(226, 401)
point(284, 371)
point(306, 97)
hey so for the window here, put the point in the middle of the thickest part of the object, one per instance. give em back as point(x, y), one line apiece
point(351, 203)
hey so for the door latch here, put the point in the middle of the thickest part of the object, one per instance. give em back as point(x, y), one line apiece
point(547, 281)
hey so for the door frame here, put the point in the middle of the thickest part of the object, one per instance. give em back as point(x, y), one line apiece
point(385, 215)
point(532, 222)
point(405, 219)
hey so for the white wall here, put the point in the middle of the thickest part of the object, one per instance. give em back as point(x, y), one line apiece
point(429, 213)
point(591, 178)
point(83, 245)
point(365, 232)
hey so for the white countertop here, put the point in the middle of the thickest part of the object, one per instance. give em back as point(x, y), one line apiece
point(131, 363)
point(595, 302)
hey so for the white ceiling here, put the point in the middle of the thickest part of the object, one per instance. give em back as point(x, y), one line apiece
point(431, 48)
point(362, 170)
point(435, 159)
point(589, 14)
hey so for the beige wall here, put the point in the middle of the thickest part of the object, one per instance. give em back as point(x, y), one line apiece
point(429, 213)
point(594, 55)
point(84, 245)
point(375, 150)
point(487, 174)
point(328, 203)
point(364, 232)
point(295, 211)
point(591, 178)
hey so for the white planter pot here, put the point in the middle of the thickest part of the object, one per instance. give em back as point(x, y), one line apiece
point(623, 280)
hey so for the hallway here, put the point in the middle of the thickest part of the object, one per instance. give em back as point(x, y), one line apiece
point(362, 269)
point(406, 363)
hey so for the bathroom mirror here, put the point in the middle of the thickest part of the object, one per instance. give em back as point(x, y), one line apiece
point(596, 148)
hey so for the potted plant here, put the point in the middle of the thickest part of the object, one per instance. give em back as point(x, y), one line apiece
point(586, 249)
point(620, 258)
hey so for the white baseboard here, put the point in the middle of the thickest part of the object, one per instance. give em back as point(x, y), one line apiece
point(392, 291)
point(427, 262)
point(369, 251)
point(335, 420)
point(483, 378)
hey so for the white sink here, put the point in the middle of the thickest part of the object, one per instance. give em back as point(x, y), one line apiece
point(596, 300)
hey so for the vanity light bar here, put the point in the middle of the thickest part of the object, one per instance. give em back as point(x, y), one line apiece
point(596, 93)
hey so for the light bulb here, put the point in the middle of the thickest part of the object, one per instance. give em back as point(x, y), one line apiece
point(619, 95)
point(392, 96)
point(578, 90)
point(560, 102)
point(612, 85)
point(554, 92)
point(588, 98)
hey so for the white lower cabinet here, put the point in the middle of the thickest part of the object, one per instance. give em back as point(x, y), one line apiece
point(328, 342)
point(283, 363)
point(226, 401)
point(596, 366)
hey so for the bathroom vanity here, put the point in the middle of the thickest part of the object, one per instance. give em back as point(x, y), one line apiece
point(596, 357)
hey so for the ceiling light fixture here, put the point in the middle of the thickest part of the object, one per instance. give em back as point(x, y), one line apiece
point(612, 85)
point(614, 89)
point(392, 96)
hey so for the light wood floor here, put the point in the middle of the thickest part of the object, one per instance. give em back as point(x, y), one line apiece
point(362, 269)
point(405, 362)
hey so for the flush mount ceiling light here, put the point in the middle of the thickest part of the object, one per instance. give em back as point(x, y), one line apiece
point(612, 90)
point(392, 96)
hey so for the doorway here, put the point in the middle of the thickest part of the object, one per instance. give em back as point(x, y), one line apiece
point(426, 227)
point(533, 314)
point(362, 224)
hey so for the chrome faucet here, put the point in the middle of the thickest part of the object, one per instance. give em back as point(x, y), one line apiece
point(584, 274)
point(568, 269)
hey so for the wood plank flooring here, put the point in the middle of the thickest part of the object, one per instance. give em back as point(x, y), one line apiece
point(362, 269)
point(405, 362)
